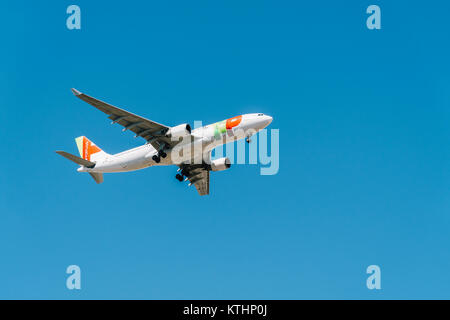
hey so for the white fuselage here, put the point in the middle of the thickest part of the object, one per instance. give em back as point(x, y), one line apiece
point(204, 140)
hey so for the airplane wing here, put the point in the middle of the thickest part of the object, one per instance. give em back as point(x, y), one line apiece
point(198, 175)
point(151, 131)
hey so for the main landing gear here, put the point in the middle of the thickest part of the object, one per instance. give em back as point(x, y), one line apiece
point(157, 157)
point(181, 175)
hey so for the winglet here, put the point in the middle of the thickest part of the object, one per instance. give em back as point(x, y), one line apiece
point(75, 92)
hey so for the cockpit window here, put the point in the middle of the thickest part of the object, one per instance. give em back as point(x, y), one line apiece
point(260, 114)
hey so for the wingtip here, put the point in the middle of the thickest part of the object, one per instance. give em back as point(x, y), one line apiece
point(75, 92)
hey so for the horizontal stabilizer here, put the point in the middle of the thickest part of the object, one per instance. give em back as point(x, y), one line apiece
point(98, 177)
point(77, 160)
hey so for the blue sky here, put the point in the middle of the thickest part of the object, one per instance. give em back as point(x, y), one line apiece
point(364, 161)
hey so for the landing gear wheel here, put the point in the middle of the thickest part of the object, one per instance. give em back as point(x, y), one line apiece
point(156, 158)
point(179, 177)
point(163, 154)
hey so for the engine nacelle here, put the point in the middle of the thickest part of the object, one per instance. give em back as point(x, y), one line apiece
point(220, 164)
point(182, 130)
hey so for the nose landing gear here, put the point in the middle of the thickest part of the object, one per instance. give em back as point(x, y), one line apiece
point(179, 177)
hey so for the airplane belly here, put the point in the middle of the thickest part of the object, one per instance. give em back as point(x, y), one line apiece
point(185, 153)
point(125, 162)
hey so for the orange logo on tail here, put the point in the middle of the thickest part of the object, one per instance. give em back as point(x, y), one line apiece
point(89, 149)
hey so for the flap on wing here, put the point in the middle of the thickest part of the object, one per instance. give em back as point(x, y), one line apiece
point(199, 177)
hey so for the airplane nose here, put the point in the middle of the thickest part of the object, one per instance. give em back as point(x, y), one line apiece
point(267, 120)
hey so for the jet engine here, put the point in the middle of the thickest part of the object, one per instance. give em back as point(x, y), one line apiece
point(220, 164)
point(179, 131)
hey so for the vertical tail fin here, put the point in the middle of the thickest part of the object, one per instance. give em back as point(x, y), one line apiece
point(88, 150)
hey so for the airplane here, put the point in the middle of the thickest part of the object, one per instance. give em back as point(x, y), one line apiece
point(164, 145)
